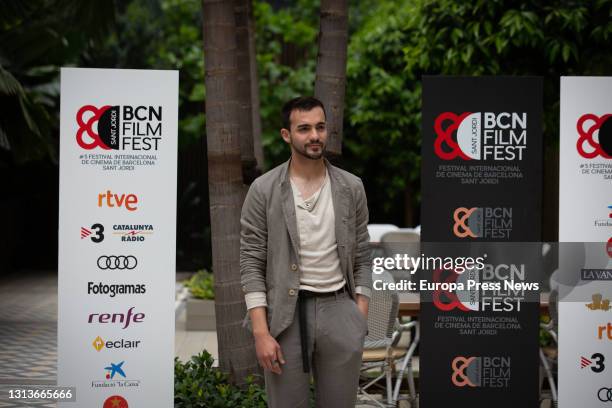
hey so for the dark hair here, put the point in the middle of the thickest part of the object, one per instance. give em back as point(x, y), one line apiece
point(301, 103)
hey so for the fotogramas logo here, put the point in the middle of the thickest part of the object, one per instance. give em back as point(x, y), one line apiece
point(594, 136)
point(481, 136)
point(483, 372)
point(132, 128)
point(482, 222)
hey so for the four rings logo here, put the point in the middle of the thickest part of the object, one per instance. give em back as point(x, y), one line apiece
point(485, 372)
point(604, 394)
point(482, 222)
point(481, 136)
point(114, 262)
point(119, 127)
point(594, 136)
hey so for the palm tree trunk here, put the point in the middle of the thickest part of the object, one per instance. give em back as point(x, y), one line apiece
point(257, 143)
point(331, 69)
point(242, 10)
point(236, 349)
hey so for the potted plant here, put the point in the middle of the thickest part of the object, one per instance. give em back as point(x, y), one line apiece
point(201, 303)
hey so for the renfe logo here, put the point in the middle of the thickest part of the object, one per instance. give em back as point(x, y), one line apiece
point(481, 136)
point(109, 199)
point(119, 127)
point(594, 136)
point(125, 318)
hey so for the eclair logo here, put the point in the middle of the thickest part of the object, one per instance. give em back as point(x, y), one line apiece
point(481, 136)
point(594, 136)
point(132, 128)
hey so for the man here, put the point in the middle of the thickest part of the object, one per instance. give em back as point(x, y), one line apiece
point(305, 266)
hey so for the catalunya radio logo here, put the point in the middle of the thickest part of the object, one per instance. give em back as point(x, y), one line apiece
point(481, 136)
point(594, 136)
point(135, 128)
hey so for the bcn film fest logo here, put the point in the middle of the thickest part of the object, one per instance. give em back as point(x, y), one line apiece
point(497, 288)
point(483, 372)
point(594, 136)
point(482, 222)
point(481, 136)
point(119, 127)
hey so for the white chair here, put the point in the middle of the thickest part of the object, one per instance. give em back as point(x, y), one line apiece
point(381, 351)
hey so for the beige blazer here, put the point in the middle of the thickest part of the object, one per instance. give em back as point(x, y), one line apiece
point(269, 240)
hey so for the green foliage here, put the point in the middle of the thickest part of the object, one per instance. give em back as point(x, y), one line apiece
point(399, 41)
point(36, 38)
point(198, 384)
point(201, 285)
point(286, 60)
point(163, 34)
point(546, 339)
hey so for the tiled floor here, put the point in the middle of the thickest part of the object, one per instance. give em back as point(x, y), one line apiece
point(28, 335)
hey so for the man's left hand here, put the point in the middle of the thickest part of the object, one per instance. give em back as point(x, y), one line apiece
point(363, 303)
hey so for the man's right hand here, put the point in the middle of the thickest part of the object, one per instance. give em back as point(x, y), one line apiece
point(267, 348)
point(269, 353)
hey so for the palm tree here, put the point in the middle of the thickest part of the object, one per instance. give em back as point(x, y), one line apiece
point(236, 349)
point(331, 68)
point(248, 93)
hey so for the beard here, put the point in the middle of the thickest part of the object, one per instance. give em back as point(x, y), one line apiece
point(304, 150)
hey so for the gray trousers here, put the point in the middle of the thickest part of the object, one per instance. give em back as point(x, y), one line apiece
point(336, 330)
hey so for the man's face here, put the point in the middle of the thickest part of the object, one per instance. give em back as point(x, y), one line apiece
point(308, 133)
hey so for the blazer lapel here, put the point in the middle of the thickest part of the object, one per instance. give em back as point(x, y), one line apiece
point(288, 207)
point(340, 197)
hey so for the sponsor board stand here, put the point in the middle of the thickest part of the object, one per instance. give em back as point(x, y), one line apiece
point(117, 221)
point(481, 181)
point(584, 279)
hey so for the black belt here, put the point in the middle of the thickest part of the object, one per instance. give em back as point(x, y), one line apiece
point(302, 296)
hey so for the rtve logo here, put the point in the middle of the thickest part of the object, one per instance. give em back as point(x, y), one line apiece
point(109, 199)
point(604, 331)
point(481, 136)
point(119, 127)
point(594, 136)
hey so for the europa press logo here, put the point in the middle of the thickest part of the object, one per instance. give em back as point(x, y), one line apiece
point(482, 222)
point(135, 128)
point(481, 136)
point(594, 136)
point(485, 372)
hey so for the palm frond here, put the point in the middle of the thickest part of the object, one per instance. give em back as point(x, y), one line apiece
point(9, 85)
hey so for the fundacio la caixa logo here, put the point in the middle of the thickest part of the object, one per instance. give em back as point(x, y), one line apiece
point(120, 127)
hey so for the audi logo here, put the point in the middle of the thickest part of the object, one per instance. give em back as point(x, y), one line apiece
point(604, 394)
point(117, 262)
